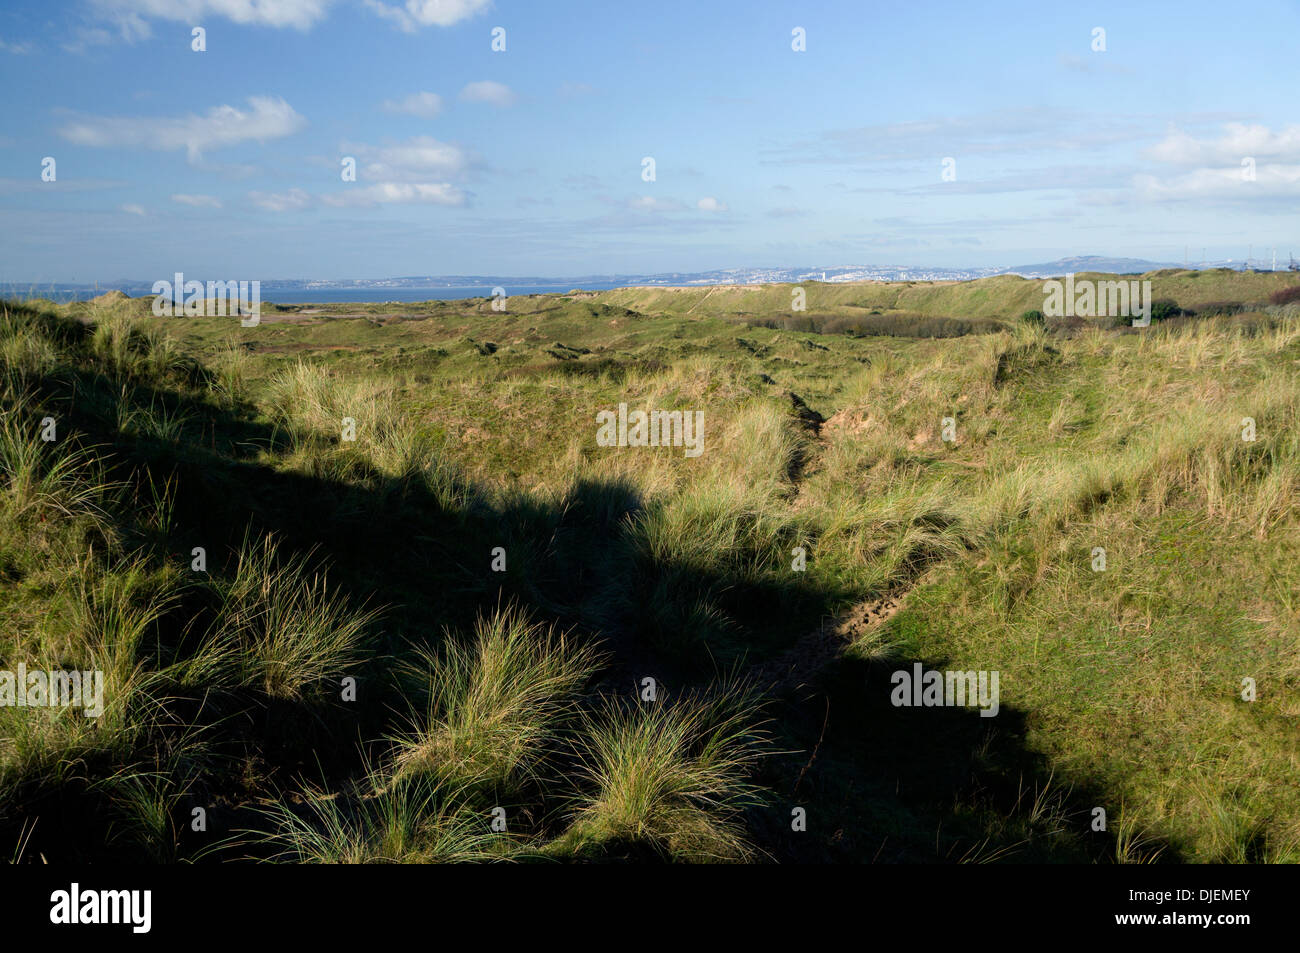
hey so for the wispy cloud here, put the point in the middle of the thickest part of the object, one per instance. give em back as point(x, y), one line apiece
point(418, 171)
point(417, 13)
point(1270, 184)
point(300, 14)
point(292, 200)
point(1027, 130)
point(649, 203)
point(196, 201)
point(265, 118)
point(20, 48)
point(650, 213)
point(583, 181)
point(488, 91)
point(422, 104)
point(418, 159)
point(1071, 178)
point(1237, 141)
point(403, 193)
point(34, 184)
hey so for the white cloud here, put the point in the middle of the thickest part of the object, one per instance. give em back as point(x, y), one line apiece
point(417, 13)
point(405, 193)
point(18, 48)
point(1021, 130)
point(424, 105)
point(133, 209)
point(197, 201)
point(419, 170)
point(419, 159)
point(267, 118)
point(1216, 167)
point(1238, 141)
point(130, 27)
point(710, 204)
point(292, 200)
point(648, 203)
point(1271, 183)
point(300, 14)
point(488, 91)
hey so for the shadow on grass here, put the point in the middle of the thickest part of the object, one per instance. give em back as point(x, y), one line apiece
point(923, 784)
point(878, 783)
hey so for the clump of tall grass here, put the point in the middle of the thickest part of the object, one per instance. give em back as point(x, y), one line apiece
point(114, 620)
point(47, 478)
point(281, 624)
point(1025, 346)
point(716, 526)
point(314, 407)
point(130, 350)
point(230, 372)
point(493, 703)
point(41, 747)
point(671, 775)
point(32, 340)
point(759, 448)
point(412, 455)
point(146, 802)
point(155, 422)
point(306, 397)
point(1133, 843)
point(378, 823)
point(110, 628)
point(735, 513)
point(25, 354)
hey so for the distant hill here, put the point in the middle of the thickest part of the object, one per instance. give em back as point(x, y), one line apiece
point(1078, 263)
point(1001, 297)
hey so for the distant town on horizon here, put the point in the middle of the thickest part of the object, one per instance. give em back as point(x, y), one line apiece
point(838, 274)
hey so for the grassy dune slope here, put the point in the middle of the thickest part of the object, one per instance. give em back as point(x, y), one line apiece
point(1005, 296)
point(517, 695)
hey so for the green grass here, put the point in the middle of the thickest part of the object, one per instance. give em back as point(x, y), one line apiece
point(351, 679)
point(492, 706)
point(670, 775)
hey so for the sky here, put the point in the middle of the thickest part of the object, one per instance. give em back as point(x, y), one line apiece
point(940, 134)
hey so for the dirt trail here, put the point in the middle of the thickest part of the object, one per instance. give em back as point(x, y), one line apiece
point(799, 665)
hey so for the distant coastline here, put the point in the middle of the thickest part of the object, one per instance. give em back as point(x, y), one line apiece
point(454, 287)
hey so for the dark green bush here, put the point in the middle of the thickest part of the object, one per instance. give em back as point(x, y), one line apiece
point(1166, 308)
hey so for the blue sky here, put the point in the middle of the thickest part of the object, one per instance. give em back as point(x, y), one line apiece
point(227, 162)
